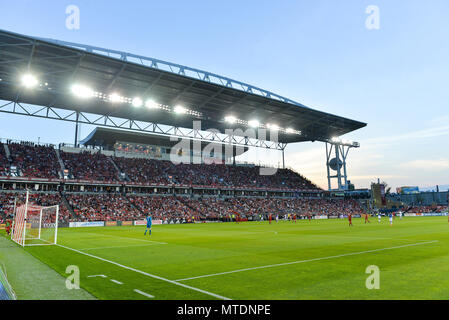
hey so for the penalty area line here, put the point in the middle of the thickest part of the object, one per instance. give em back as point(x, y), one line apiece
point(308, 260)
point(143, 293)
point(147, 274)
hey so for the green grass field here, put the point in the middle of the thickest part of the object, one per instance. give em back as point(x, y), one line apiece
point(321, 259)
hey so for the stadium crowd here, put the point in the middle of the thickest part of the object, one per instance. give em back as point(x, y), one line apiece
point(4, 162)
point(165, 172)
point(39, 161)
point(428, 209)
point(102, 207)
point(143, 170)
point(165, 208)
point(42, 162)
point(88, 166)
point(35, 161)
point(9, 199)
point(117, 207)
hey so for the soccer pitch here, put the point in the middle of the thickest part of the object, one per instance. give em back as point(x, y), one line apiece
point(318, 259)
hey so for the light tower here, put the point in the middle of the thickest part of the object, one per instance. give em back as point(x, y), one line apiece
point(339, 148)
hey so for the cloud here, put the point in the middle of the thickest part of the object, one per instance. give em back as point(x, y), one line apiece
point(419, 134)
point(373, 177)
point(440, 120)
point(427, 164)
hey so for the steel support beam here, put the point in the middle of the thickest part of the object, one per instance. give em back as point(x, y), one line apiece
point(49, 112)
point(337, 152)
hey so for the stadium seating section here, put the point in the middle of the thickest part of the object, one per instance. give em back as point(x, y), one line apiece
point(36, 161)
point(4, 163)
point(87, 166)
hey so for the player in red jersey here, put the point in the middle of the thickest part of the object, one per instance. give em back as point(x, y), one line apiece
point(237, 217)
point(269, 218)
point(366, 218)
point(294, 218)
point(350, 220)
point(309, 216)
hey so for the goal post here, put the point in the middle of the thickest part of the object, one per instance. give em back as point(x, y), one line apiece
point(35, 225)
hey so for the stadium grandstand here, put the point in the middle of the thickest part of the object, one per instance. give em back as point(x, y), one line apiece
point(143, 110)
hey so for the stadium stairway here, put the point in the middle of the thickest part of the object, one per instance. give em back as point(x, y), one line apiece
point(68, 206)
point(121, 175)
point(61, 163)
point(7, 152)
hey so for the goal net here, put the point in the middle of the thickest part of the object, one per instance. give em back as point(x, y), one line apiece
point(35, 225)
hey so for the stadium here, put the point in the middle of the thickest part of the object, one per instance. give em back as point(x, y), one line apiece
point(166, 144)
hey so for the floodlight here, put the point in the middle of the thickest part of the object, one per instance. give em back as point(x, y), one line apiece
point(290, 130)
point(180, 109)
point(230, 119)
point(82, 91)
point(253, 123)
point(150, 104)
point(115, 97)
point(273, 127)
point(335, 139)
point(137, 102)
point(29, 81)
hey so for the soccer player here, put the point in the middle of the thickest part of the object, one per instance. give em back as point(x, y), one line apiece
point(390, 216)
point(8, 227)
point(277, 218)
point(294, 217)
point(310, 217)
point(379, 217)
point(366, 218)
point(350, 220)
point(269, 218)
point(149, 223)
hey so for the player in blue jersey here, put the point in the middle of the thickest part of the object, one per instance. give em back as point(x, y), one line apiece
point(149, 223)
point(390, 216)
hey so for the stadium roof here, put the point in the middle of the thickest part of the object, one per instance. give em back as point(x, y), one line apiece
point(207, 97)
point(108, 137)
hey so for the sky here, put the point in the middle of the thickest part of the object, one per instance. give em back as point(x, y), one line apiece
point(320, 53)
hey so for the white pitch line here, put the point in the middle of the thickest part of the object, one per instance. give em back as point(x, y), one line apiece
point(116, 281)
point(148, 274)
point(112, 247)
point(97, 275)
point(143, 293)
point(303, 261)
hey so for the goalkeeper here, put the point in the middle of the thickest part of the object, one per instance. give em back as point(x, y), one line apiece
point(149, 223)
